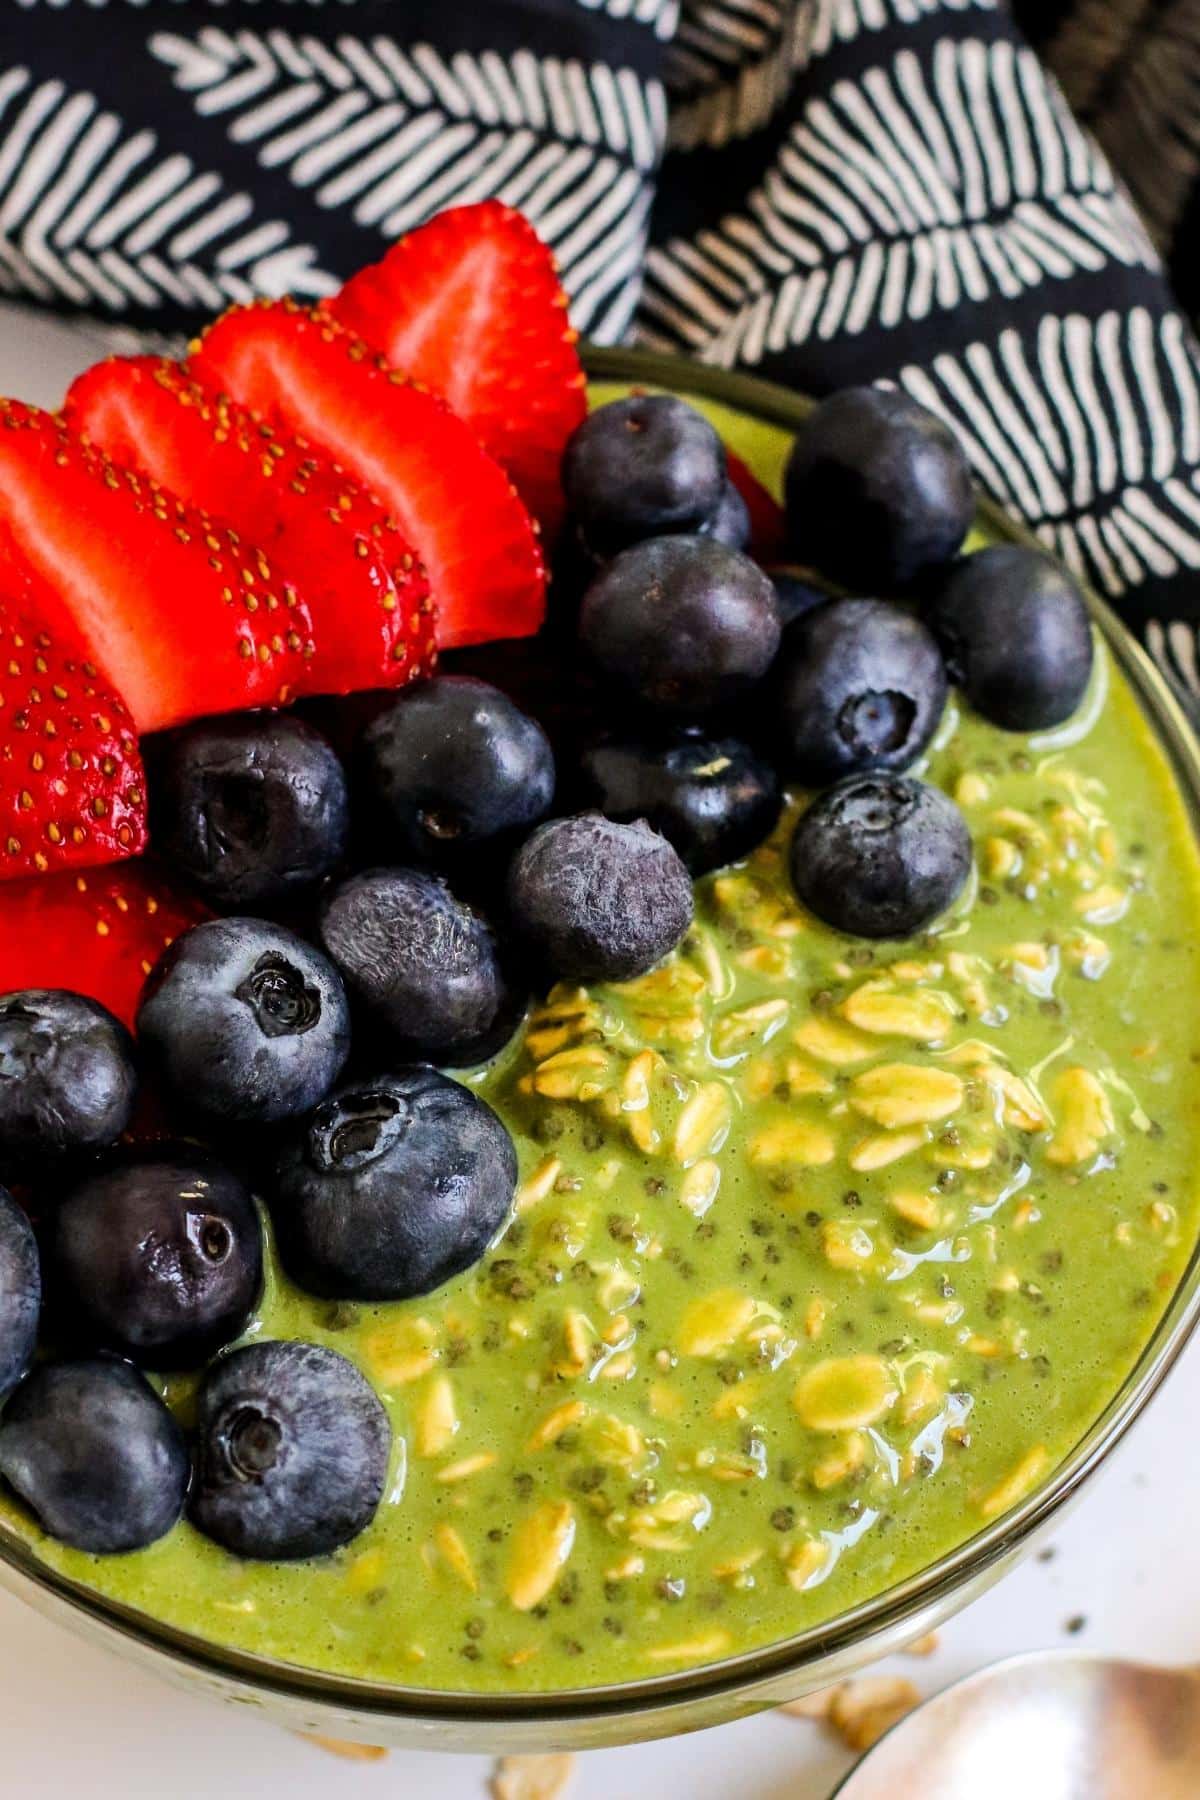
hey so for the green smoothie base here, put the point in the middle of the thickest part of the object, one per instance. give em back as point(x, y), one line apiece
point(825, 1254)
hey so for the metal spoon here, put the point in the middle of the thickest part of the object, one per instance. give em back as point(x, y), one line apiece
point(1050, 1725)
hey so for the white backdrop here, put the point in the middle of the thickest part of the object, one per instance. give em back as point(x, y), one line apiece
point(74, 1722)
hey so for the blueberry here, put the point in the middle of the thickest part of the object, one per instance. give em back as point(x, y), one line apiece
point(577, 565)
point(246, 1021)
point(67, 1078)
point(713, 798)
point(95, 1455)
point(880, 856)
point(159, 1257)
point(597, 900)
point(424, 965)
point(538, 674)
point(878, 490)
point(391, 1186)
point(20, 1293)
point(251, 808)
point(683, 624)
point(292, 1450)
point(1015, 631)
point(859, 686)
point(729, 521)
point(642, 466)
point(796, 595)
point(451, 766)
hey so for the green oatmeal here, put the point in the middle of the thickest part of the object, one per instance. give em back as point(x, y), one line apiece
point(824, 1255)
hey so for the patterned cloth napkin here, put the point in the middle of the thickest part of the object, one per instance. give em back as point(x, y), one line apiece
point(823, 191)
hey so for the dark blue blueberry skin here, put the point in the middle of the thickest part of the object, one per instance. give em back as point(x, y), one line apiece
point(292, 1450)
point(94, 1454)
point(67, 1079)
point(251, 807)
point(20, 1293)
point(245, 1021)
point(542, 675)
point(450, 767)
point(880, 856)
point(423, 965)
point(1016, 636)
point(576, 564)
point(713, 798)
point(683, 624)
point(729, 522)
point(596, 900)
point(878, 491)
point(390, 1187)
point(640, 467)
point(796, 595)
point(859, 685)
point(158, 1258)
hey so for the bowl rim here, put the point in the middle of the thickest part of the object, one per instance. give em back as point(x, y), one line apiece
point(890, 1615)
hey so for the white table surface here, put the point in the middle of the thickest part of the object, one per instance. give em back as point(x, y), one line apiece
point(1123, 1577)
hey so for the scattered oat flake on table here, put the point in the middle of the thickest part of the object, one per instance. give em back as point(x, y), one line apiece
point(532, 1777)
point(344, 1747)
point(863, 1710)
point(810, 1706)
point(924, 1646)
point(859, 1711)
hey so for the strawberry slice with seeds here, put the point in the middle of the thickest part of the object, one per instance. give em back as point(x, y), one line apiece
point(184, 617)
point(99, 932)
point(72, 786)
point(305, 373)
point(470, 303)
point(368, 595)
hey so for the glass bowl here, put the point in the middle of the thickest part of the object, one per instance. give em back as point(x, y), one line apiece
point(586, 1718)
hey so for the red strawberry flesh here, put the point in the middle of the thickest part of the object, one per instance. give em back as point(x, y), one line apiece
point(369, 597)
point(99, 932)
point(304, 373)
point(184, 618)
point(72, 786)
point(470, 304)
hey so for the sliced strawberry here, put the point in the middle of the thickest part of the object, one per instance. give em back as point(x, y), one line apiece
point(72, 786)
point(98, 933)
point(304, 372)
point(768, 527)
point(183, 616)
point(369, 597)
point(470, 303)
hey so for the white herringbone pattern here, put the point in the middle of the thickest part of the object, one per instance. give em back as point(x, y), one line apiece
point(393, 131)
point(893, 197)
point(97, 215)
